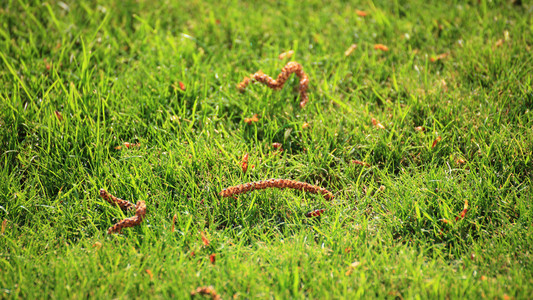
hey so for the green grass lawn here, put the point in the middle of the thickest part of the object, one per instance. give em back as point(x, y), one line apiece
point(454, 94)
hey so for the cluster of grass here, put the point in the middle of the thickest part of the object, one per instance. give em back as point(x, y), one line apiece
point(79, 79)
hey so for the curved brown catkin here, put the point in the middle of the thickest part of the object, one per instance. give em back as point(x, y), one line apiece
point(140, 213)
point(276, 183)
point(277, 84)
point(123, 204)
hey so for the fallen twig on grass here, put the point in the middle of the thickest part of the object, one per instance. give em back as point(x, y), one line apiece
point(277, 84)
point(276, 183)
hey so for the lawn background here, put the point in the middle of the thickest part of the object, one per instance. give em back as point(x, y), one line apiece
point(112, 72)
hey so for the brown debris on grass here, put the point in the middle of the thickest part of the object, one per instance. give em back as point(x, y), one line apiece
point(140, 212)
point(461, 216)
point(4, 223)
point(315, 213)
point(59, 116)
point(277, 84)
point(381, 47)
point(251, 120)
point(463, 213)
point(460, 161)
point(275, 183)
point(350, 50)
point(377, 124)
point(131, 145)
point(287, 54)
point(439, 57)
point(436, 141)
point(206, 291)
point(361, 13)
point(123, 204)
point(150, 274)
point(244, 163)
point(128, 145)
point(361, 163)
point(205, 241)
point(174, 223)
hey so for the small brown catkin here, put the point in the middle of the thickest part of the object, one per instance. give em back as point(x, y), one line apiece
point(140, 213)
point(277, 84)
point(206, 291)
point(275, 183)
point(123, 204)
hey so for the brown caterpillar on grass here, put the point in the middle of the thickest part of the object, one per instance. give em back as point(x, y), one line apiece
point(277, 84)
point(140, 212)
point(275, 183)
point(123, 204)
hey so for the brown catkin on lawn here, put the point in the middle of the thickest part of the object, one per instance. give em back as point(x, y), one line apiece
point(140, 212)
point(277, 84)
point(123, 204)
point(276, 183)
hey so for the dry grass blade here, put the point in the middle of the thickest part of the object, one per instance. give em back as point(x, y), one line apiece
point(276, 183)
point(140, 213)
point(277, 84)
